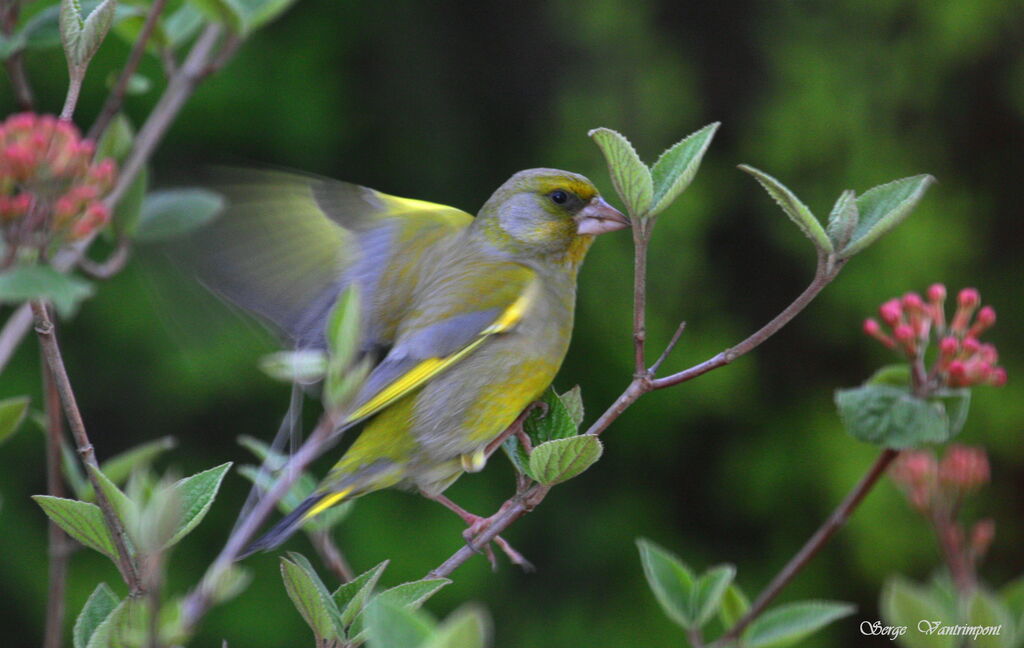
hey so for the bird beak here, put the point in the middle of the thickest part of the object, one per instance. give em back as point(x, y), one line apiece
point(598, 217)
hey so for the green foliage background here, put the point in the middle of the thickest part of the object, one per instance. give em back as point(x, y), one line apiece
point(443, 101)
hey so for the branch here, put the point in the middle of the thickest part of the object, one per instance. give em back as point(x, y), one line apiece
point(331, 555)
point(55, 363)
point(641, 239)
point(111, 265)
point(813, 545)
point(643, 382)
point(60, 546)
point(113, 102)
point(15, 63)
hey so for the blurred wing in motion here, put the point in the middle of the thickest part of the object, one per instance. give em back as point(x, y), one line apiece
point(287, 244)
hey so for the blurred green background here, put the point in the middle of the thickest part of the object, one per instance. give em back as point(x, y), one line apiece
point(443, 101)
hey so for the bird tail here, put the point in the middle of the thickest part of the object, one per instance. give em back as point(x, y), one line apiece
point(311, 506)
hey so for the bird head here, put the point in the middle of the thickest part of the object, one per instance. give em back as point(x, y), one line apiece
point(546, 212)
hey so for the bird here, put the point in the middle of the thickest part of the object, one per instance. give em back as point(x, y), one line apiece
point(467, 319)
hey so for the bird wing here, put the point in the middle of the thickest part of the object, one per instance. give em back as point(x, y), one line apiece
point(460, 311)
point(288, 244)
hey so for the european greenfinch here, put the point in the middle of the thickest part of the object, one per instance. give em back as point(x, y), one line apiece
point(470, 317)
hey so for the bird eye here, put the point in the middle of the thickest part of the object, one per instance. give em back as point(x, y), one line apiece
point(559, 197)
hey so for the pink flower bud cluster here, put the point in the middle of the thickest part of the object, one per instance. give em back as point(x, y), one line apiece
point(908, 322)
point(50, 187)
point(936, 489)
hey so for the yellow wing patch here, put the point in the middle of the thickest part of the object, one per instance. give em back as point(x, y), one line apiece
point(430, 367)
point(326, 503)
point(397, 206)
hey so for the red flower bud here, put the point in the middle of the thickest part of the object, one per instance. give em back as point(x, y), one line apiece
point(964, 468)
point(891, 312)
point(985, 319)
point(997, 377)
point(982, 535)
point(916, 472)
point(906, 337)
point(971, 346)
point(874, 329)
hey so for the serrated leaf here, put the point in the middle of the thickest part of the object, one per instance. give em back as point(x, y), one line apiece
point(259, 13)
point(25, 282)
point(196, 494)
point(393, 626)
point(734, 605)
point(677, 166)
point(12, 413)
point(343, 327)
point(100, 605)
point(891, 417)
point(311, 598)
point(793, 208)
point(631, 177)
point(573, 402)
point(175, 212)
point(788, 624)
point(708, 591)
point(414, 593)
point(305, 366)
point(352, 596)
point(80, 520)
point(181, 25)
point(560, 460)
point(116, 140)
point(542, 425)
point(120, 466)
point(227, 12)
point(110, 632)
point(81, 38)
point(843, 219)
point(905, 604)
point(467, 627)
point(883, 208)
point(670, 580)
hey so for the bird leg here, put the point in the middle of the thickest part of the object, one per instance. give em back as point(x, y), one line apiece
point(477, 525)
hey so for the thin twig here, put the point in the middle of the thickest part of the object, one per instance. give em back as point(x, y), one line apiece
point(111, 265)
point(181, 86)
point(76, 76)
point(813, 545)
point(668, 348)
point(641, 239)
point(23, 95)
point(51, 351)
point(113, 102)
point(60, 545)
point(331, 555)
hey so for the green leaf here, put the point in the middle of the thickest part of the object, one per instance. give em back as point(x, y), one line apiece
point(343, 327)
point(181, 25)
point(883, 208)
point(81, 38)
point(121, 621)
point(175, 212)
point(632, 179)
point(788, 624)
point(573, 402)
point(414, 593)
point(116, 140)
point(734, 605)
point(552, 421)
point(793, 207)
point(120, 466)
point(305, 367)
point(196, 494)
point(101, 604)
point(895, 375)
point(891, 417)
point(671, 581)
point(956, 403)
point(708, 591)
point(126, 510)
point(230, 583)
point(128, 211)
point(393, 626)
point(467, 627)
point(843, 219)
point(677, 166)
point(80, 520)
point(41, 31)
point(26, 282)
point(560, 460)
point(12, 413)
point(352, 596)
point(311, 598)
point(905, 604)
point(987, 611)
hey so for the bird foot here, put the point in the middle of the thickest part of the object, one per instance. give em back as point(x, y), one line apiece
point(475, 525)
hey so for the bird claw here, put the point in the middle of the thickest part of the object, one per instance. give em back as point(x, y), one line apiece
point(481, 524)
